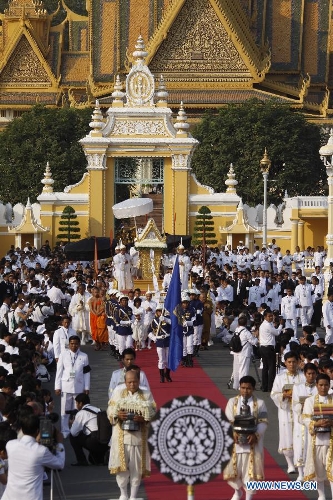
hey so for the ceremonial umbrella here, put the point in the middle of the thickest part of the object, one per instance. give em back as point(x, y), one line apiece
point(133, 207)
point(85, 249)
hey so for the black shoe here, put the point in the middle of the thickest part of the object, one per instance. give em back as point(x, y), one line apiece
point(80, 464)
point(167, 375)
point(162, 376)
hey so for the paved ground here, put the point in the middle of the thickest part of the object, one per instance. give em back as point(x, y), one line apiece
point(95, 483)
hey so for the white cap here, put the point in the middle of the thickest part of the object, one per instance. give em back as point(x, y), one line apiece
point(185, 296)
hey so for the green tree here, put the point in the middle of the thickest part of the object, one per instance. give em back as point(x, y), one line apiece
point(239, 135)
point(42, 135)
point(203, 233)
point(68, 226)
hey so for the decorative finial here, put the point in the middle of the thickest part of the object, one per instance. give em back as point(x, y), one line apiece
point(117, 94)
point(28, 205)
point(47, 181)
point(181, 124)
point(240, 205)
point(231, 182)
point(162, 94)
point(140, 53)
point(97, 122)
point(265, 163)
point(286, 195)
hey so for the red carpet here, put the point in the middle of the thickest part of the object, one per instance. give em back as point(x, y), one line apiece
point(194, 381)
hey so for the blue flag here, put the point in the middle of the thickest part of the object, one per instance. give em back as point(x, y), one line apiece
point(172, 300)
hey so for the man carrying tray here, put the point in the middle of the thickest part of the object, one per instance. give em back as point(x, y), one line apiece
point(282, 397)
point(318, 418)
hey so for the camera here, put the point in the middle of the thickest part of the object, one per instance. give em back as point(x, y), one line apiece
point(72, 413)
point(47, 430)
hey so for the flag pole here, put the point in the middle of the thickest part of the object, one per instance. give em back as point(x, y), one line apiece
point(190, 492)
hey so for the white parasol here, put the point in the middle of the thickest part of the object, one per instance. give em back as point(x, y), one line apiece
point(133, 207)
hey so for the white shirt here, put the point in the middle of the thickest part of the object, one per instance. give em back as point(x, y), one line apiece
point(118, 379)
point(26, 462)
point(267, 333)
point(85, 421)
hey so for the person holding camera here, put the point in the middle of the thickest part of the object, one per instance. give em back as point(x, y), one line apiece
point(72, 378)
point(84, 433)
point(27, 459)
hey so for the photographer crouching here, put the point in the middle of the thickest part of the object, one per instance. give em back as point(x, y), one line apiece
point(84, 433)
point(27, 459)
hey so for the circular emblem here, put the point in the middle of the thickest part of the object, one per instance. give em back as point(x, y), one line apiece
point(190, 440)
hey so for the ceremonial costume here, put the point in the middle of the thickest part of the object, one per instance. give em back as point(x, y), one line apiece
point(285, 413)
point(129, 453)
point(247, 462)
point(298, 259)
point(184, 268)
point(267, 334)
point(300, 434)
point(72, 378)
point(79, 311)
point(320, 447)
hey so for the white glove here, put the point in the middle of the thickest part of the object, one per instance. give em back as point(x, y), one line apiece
point(152, 336)
point(125, 323)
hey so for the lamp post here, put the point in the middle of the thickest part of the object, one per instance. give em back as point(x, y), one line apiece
point(265, 164)
point(326, 155)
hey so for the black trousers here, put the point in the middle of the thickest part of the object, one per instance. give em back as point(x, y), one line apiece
point(96, 449)
point(268, 357)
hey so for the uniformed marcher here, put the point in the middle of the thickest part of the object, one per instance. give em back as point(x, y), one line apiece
point(187, 316)
point(159, 332)
point(124, 318)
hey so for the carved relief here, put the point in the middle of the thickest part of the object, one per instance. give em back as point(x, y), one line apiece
point(181, 161)
point(128, 127)
point(24, 67)
point(96, 161)
point(209, 47)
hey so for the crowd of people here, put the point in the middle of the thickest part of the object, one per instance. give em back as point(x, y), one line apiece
point(50, 306)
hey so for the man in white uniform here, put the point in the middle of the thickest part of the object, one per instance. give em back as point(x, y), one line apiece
point(61, 337)
point(241, 364)
point(72, 378)
point(328, 318)
point(303, 294)
point(289, 310)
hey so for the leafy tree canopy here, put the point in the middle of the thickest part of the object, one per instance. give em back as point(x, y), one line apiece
point(240, 134)
point(42, 135)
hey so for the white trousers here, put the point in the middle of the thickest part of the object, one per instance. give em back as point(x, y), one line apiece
point(306, 315)
point(197, 335)
point(67, 403)
point(292, 323)
point(162, 353)
point(188, 345)
point(329, 336)
point(241, 368)
point(112, 335)
point(124, 342)
point(133, 474)
point(243, 464)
